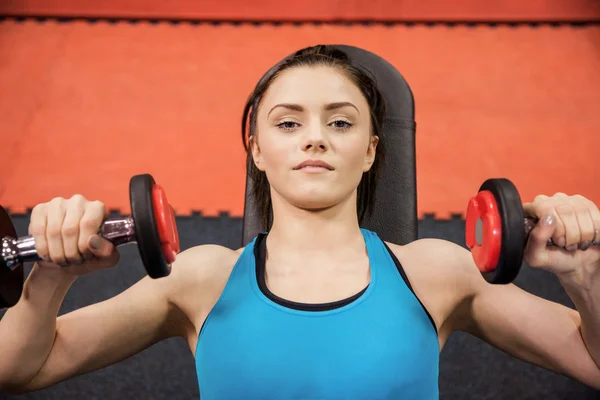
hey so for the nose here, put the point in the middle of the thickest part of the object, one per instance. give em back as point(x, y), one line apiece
point(315, 139)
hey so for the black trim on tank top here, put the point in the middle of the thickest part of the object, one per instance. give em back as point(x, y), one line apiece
point(260, 253)
point(407, 282)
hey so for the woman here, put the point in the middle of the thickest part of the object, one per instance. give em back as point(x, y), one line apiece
point(316, 308)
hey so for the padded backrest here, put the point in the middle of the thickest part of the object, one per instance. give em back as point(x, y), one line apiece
point(395, 214)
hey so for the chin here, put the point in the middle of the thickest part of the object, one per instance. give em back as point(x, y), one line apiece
point(315, 200)
point(312, 196)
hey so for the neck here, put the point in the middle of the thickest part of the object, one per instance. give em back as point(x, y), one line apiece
point(297, 230)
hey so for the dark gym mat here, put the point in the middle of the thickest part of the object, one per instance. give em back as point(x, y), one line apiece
point(469, 368)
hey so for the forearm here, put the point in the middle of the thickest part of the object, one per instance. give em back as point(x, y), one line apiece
point(28, 329)
point(587, 302)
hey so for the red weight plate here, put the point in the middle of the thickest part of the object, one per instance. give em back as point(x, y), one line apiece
point(487, 254)
point(146, 227)
point(177, 247)
point(165, 223)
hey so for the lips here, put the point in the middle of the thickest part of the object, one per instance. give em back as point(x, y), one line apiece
point(314, 163)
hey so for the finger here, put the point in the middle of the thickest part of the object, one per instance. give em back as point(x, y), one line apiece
point(542, 207)
point(70, 229)
point(536, 251)
point(595, 217)
point(101, 247)
point(37, 229)
point(95, 213)
point(56, 216)
point(566, 212)
point(584, 220)
point(559, 237)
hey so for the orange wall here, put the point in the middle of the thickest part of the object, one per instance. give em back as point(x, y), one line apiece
point(85, 106)
point(321, 10)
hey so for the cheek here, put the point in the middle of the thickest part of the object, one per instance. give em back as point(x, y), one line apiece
point(352, 153)
point(274, 153)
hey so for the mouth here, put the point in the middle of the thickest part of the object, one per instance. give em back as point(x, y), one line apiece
point(314, 166)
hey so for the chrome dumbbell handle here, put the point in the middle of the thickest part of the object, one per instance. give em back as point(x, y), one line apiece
point(16, 251)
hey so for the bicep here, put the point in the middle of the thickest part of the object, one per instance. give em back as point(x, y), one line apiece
point(531, 328)
point(519, 323)
point(107, 332)
point(152, 310)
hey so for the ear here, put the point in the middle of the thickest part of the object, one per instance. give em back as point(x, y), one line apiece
point(371, 151)
point(256, 153)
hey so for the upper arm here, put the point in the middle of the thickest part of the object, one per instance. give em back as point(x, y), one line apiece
point(107, 332)
point(533, 329)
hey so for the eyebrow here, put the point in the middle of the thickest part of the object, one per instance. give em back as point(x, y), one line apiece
point(328, 107)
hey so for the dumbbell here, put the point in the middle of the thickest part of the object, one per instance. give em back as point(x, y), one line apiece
point(497, 230)
point(151, 225)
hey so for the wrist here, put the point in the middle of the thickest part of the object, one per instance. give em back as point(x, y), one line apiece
point(47, 285)
point(586, 290)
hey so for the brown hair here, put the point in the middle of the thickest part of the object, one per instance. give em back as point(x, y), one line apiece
point(320, 55)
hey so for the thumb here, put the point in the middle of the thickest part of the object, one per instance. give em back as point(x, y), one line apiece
point(536, 252)
point(100, 247)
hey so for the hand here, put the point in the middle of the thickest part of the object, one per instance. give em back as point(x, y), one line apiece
point(65, 233)
point(572, 222)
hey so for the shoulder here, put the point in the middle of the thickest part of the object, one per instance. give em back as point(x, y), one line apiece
point(444, 256)
point(443, 276)
point(205, 262)
point(198, 277)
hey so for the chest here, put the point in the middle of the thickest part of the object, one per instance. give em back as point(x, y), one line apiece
point(252, 349)
point(317, 281)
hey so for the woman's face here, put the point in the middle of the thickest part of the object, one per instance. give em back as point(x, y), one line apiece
point(313, 115)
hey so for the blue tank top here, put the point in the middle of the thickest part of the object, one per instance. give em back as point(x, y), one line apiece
point(379, 344)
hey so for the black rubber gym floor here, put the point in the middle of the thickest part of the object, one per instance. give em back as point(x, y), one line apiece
point(469, 368)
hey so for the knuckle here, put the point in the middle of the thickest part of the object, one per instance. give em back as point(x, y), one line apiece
point(546, 208)
point(560, 195)
point(96, 204)
point(56, 201)
point(90, 222)
point(37, 229)
point(37, 222)
point(77, 198)
point(565, 209)
point(53, 231)
point(591, 206)
point(39, 209)
point(69, 230)
point(93, 215)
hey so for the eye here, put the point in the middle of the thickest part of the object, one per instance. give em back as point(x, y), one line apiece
point(342, 125)
point(288, 125)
